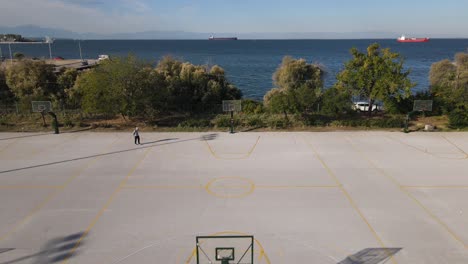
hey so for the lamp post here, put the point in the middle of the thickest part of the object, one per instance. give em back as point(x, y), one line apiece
point(11, 55)
point(79, 45)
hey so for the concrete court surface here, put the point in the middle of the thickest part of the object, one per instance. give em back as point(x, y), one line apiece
point(329, 197)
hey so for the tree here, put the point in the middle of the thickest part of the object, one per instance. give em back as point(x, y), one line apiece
point(6, 95)
point(114, 87)
point(18, 56)
point(377, 75)
point(298, 86)
point(66, 79)
point(335, 102)
point(31, 80)
point(193, 86)
point(449, 82)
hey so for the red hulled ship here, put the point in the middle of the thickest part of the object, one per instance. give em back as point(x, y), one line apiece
point(405, 39)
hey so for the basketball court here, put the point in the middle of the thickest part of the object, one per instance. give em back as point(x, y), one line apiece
point(335, 197)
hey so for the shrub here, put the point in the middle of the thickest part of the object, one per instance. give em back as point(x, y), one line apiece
point(250, 106)
point(195, 123)
point(225, 120)
point(255, 120)
point(277, 122)
point(458, 118)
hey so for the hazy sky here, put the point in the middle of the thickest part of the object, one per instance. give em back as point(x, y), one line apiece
point(114, 16)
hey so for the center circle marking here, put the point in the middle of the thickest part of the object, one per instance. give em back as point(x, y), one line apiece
point(230, 187)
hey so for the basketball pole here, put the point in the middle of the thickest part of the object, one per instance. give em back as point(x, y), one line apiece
point(55, 123)
point(232, 122)
point(43, 119)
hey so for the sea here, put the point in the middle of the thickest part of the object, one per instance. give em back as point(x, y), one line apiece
point(250, 64)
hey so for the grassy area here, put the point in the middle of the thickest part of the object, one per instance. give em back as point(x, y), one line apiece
point(242, 122)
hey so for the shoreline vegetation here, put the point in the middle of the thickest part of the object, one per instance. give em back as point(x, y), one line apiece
point(172, 95)
point(13, 38)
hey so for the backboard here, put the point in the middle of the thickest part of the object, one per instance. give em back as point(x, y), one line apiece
point(232, 106)
point(41, 106)
point(225, 249)
point(422, 105)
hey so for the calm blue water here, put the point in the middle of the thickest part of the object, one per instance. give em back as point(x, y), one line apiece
point(250, 64)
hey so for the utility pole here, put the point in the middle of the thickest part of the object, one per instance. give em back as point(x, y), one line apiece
point(11, 55)
point(50, 51)
point(79, 45)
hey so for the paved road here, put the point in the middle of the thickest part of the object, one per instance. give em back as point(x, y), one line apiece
point(335, 197)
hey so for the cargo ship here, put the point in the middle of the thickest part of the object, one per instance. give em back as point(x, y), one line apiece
point(403, 38)
point(230, 38)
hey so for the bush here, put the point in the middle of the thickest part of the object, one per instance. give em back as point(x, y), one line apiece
point(250, 106)
point(277, 122)
point(225, 120)
point(316, 120)
point(389, 122)
point(195, 123)
point(458, 118)
point(255, 120)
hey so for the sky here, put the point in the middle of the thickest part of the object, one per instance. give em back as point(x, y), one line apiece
point(241, 16)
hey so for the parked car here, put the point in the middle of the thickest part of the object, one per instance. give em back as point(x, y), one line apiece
point(364, 107)
point(103, 57)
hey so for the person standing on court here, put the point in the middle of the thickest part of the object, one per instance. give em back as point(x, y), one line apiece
point(137, 136)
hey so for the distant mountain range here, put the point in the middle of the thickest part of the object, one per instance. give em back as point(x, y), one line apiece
point(32, 31)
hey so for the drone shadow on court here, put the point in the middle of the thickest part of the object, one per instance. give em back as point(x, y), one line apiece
point(157, 143)
point(54, 251)
point(371, 256)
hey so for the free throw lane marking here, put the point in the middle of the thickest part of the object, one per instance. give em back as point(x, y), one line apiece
point(405, 191)
point(350, 199)
point(106, 205)
point(51, 195)
point(242, 155)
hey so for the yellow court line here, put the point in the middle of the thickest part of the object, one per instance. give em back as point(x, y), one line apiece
point(106, 205)
point(430, 153)
point(231, 187)
point(161, 187)
point(14, 187)
point(297, 186)
point(51, 195)
point(244, 155)
point(350, 199)
point(435, 187)
point(242, 195)
point(405, 191)
point(457, 147)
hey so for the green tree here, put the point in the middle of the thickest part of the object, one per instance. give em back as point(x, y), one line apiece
point(6, 95)
point(31, 80)
point(449, 82)
point(66, 79)
point(191, 86)
point(298, 86)
point(114, 87)
point(335, 102)
point(18, 56)
point(377, 74)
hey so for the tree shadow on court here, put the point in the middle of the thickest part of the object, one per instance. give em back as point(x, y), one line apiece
point(54, 251)
point(157, 143)
point(50, 133)
point(371, 256)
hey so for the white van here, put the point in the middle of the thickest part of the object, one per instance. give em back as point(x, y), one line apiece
point(364, 107)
